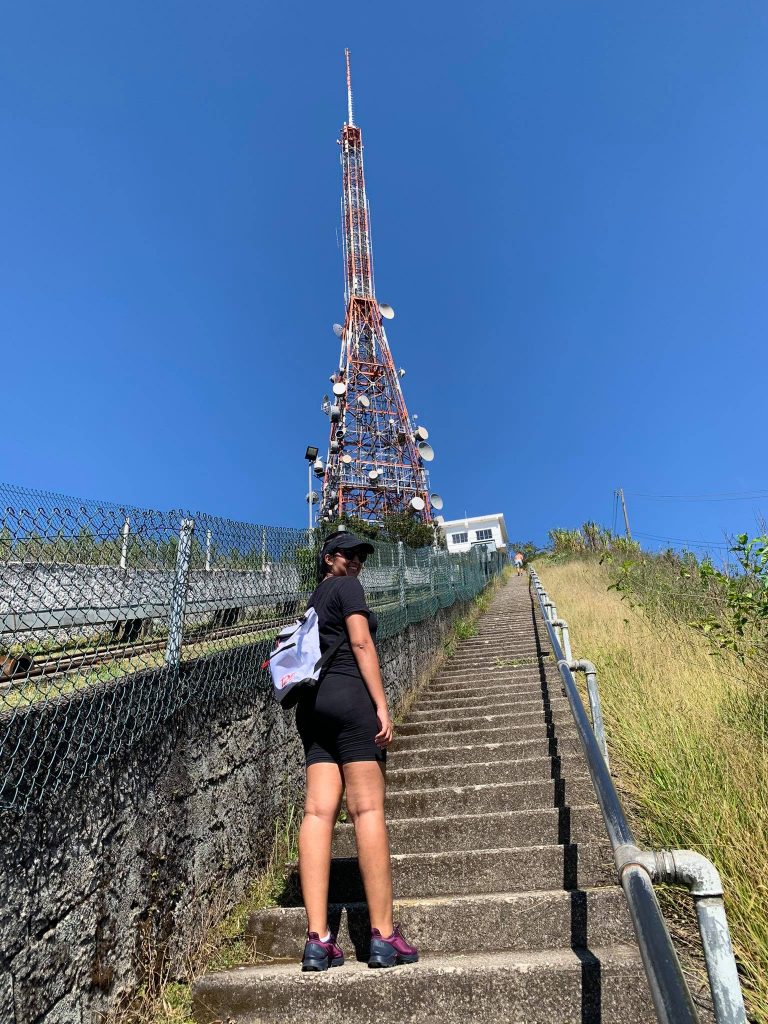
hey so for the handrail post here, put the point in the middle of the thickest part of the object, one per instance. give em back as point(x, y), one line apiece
point(722, 971)
point(595, 708)
point(562, 625)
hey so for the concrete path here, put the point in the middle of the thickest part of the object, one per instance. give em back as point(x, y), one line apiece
point(503, 874)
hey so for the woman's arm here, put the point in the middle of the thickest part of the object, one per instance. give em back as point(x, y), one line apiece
point(367, 659)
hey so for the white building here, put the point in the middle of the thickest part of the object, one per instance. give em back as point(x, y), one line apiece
point(463, 534)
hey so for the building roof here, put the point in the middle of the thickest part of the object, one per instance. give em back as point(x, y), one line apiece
point(467, 520)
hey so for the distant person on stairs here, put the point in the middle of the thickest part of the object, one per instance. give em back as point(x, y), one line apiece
point(345, 727)
point(519, 559)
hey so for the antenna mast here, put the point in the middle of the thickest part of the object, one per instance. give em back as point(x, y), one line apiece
point(351, 120)
point(376, 453)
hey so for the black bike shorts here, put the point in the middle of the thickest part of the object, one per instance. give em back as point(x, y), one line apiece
point(337, 722)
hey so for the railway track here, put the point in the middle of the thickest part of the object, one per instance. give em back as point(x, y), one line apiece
point(16, 670)
point(53, 663)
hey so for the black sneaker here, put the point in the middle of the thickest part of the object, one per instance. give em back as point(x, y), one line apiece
point(392, 951)
point(319, 956)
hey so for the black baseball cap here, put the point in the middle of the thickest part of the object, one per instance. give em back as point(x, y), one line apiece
point(347, 542)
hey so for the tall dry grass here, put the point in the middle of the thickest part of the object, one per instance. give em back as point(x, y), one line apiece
point(694, 776)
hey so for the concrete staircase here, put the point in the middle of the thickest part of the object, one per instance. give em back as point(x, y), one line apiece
point(503, 874)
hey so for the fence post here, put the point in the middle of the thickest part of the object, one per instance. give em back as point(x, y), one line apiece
point(207, 550)
point(401, 564)
point(179, 595)
point(124, 549)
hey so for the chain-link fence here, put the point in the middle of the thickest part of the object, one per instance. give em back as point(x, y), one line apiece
point(113, 618)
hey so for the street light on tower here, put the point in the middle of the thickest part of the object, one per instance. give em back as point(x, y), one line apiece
point(311, 456)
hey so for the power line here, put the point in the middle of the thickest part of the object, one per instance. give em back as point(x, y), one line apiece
point(685, 540)
point(725, 496)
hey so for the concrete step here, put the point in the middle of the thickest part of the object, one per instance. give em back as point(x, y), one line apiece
point(501, 624)
point(462, 722)
point(453, 677)
point(496, 662)
point(501, 675)
point(428, 702)
point(472, 690)
point(458, 873)
point(470, 675)
point(500, 638)
point(489, 797)
point(493, 734)
point(507, 706)
point(468, 753)
point(470, 680)
point(559, 986)
point(534, 768)
point(505, 645)
point(483, 830)
point(461, 924)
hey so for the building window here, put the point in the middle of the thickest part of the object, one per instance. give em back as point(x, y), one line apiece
point(484, 534)
point(459, 538)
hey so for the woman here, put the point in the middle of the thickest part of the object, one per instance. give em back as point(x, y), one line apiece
point(345, 727)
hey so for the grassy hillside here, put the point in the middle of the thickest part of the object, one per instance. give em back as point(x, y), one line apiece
point(692, 768)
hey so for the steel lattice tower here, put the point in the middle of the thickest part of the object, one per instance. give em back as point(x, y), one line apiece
point(376, 455)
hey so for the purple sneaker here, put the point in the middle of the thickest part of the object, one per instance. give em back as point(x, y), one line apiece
point(391, 951)
point(319, 956)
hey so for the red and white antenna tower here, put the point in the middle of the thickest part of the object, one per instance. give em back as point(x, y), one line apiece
point(376, 454)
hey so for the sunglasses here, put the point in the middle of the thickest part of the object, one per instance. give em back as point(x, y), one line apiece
point(349, 555)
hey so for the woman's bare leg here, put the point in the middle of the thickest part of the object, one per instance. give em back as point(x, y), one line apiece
point(321, 809)
point(365, 803)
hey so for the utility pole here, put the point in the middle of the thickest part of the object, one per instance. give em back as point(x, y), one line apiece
point(620, 493)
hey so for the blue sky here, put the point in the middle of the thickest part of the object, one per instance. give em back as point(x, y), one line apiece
point(569, 217)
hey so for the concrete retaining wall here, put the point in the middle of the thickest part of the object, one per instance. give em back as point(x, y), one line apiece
point(154, 844)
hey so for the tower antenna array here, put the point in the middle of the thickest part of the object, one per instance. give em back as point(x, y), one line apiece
point(376, 453)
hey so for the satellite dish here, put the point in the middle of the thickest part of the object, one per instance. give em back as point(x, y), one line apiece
point(426, 451)
point(346, 459)
point(364, 400)
point(386, 311)
point(338, 330)
point(339, 389)
point(373, 475)
point(436, 501)
point(401, 371)
point(421, 433)
point(318, 466)
point(417, 503)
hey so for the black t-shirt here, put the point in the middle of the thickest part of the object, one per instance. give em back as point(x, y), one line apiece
point(333, 600)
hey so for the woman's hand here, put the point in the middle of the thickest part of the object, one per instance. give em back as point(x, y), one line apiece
point(384, 736)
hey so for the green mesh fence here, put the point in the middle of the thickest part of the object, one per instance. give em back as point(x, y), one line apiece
point(114, 618)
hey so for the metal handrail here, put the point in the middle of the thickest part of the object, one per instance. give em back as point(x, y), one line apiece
point(638, 869)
